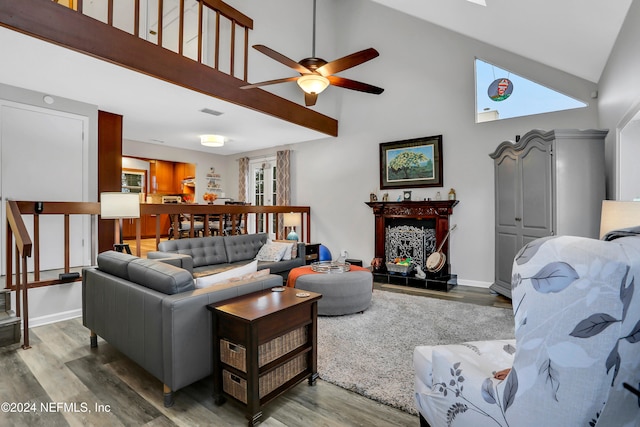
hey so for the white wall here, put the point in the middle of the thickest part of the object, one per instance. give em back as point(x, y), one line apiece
point(619, 87)
point(428, 76)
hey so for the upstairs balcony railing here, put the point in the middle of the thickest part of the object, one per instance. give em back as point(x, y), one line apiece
point(21, 246)
point(208, 31)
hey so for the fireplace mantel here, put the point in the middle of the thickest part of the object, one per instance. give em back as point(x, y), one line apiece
point(427, 208)
point(432, 210)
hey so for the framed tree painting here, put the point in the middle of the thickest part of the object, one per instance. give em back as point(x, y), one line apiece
point(411, 163)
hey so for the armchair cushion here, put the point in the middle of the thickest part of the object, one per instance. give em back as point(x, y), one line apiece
point(577, 328)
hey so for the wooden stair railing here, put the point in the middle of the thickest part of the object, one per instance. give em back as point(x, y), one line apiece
point(16, 230)
point(219, 8)
point(66, 27)
point(20, 245)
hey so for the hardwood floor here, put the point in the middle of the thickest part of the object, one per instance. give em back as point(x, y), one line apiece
point(65, 382)
point(61, 381)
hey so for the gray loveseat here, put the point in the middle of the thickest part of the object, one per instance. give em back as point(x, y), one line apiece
point(151, 312)
point(209, 255)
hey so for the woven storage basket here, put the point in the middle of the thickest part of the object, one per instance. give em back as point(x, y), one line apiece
point(237, 386)
point(234, 385)
point(281, 345)
point(235, 355)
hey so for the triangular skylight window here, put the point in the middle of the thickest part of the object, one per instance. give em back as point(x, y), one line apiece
point(501, 94)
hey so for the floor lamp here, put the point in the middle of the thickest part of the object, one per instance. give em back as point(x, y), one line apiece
point(119, 206)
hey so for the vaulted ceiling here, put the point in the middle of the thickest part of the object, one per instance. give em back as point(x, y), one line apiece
point(575, 36)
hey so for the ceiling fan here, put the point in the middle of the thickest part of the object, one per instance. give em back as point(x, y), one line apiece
point(316, 74)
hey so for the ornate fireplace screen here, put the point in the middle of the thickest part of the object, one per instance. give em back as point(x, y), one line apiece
point(417, 241)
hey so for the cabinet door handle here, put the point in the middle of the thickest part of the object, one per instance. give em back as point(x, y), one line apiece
point(518, 219)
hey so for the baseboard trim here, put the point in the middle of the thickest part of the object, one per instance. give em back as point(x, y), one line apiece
point(474, 283)
point(54, 318)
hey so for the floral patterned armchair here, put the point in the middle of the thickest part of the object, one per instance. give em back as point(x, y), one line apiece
point(576, 354)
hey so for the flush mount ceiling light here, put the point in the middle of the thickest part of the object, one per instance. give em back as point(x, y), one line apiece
point(313, 83)
point(480, 2)
point(212, 140)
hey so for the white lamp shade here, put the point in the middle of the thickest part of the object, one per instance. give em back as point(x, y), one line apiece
point(618, 214)
point(313, 83)
point(119, 205)
point(212, 140)
point(292, 219)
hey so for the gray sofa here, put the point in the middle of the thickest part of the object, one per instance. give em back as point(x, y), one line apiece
point(151, 312)
point(208, 255)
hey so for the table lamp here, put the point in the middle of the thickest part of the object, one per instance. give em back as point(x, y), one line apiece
point(292, 220)
point(618, 214)
point(119, 206)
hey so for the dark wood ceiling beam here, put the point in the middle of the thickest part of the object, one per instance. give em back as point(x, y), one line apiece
point(54, 23)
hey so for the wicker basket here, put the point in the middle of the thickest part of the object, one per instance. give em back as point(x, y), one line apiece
point(237, 386)
point(399, 269)
point(235, 355)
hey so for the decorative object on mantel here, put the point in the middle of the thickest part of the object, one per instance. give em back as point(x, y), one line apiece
point(452, 194)
point(411, 163)
point(385, 197)
point(407, 195)
point(373, 197)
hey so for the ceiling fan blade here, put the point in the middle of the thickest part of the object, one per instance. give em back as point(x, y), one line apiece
point(348, 61)
point(269, 82)
point(281, 58)
point(310, 99)
point(354, 85)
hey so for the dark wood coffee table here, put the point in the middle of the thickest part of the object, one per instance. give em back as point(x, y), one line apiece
point(264, 343)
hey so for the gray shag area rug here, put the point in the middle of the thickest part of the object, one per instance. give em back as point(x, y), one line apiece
point(372, 353)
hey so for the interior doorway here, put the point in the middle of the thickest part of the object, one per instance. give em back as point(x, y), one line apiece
point(262, 192)
point(44, 157)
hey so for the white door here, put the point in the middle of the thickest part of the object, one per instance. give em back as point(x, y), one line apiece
point(44, 154)
point(262, 192)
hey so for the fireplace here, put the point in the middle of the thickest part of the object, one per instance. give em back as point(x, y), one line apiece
point(416, 230)
point(409, 237)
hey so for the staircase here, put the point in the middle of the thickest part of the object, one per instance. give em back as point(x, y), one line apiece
point(9, 323)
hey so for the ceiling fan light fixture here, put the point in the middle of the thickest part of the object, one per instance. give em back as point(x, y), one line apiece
point(313, 83)
point(212, 140)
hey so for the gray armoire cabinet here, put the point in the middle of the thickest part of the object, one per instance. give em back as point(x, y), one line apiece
point(548, 183)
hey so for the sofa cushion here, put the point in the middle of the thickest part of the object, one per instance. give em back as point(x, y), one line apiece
point(271, 252)
point(288, 246)
point(243, 246)
point(204, 250)
point(160, 276)
point(206, 281)
point(115, 263)
point(294, 248)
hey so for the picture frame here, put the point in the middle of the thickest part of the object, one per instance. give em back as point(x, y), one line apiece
point(411, 163)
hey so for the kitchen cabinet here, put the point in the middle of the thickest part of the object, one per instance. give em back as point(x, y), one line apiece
point(547, 184)
point(167, 177)
point(162, 178)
